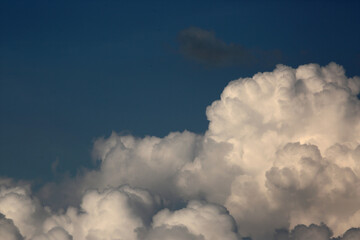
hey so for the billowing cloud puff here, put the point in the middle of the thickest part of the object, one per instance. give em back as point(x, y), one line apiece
point(315, 232)
point(207, 220)
point(25, 212)
point(157, 159)
point(119, 213)
point(110, 214)
point(282, 151)
point(295, 135)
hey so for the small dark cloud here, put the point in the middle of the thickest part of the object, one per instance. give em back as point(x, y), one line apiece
point(203, 46)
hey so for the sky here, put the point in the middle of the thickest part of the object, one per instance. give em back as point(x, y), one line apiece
point(88, 87)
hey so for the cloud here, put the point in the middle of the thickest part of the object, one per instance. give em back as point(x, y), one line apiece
point(200, 218)
point(282, 151)
point(172, 233)
point(114, 213)
point(8, 230)
point(17, 204)
point(315, 232)
point(56, 233)
point(295, 135)
point(203, 46)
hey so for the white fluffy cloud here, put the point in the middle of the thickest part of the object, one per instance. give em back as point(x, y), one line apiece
point(207, 220)
point(110, 214)
point(115, 213)
point(17, 204)
point(282, 149)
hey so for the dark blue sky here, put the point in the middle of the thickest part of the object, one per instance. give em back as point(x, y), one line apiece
point(72, 71)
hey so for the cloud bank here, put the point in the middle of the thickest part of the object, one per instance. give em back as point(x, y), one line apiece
point(280, 160)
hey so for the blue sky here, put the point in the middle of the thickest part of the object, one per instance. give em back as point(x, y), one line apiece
point(73, 71)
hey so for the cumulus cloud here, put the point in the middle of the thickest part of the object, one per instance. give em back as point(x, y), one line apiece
point(284, 126)
point(109, 214)
point(207, 220)
point(117, 213)
point(315, 232)
point(17, 204)
point(204, 47)
point(282, 151)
